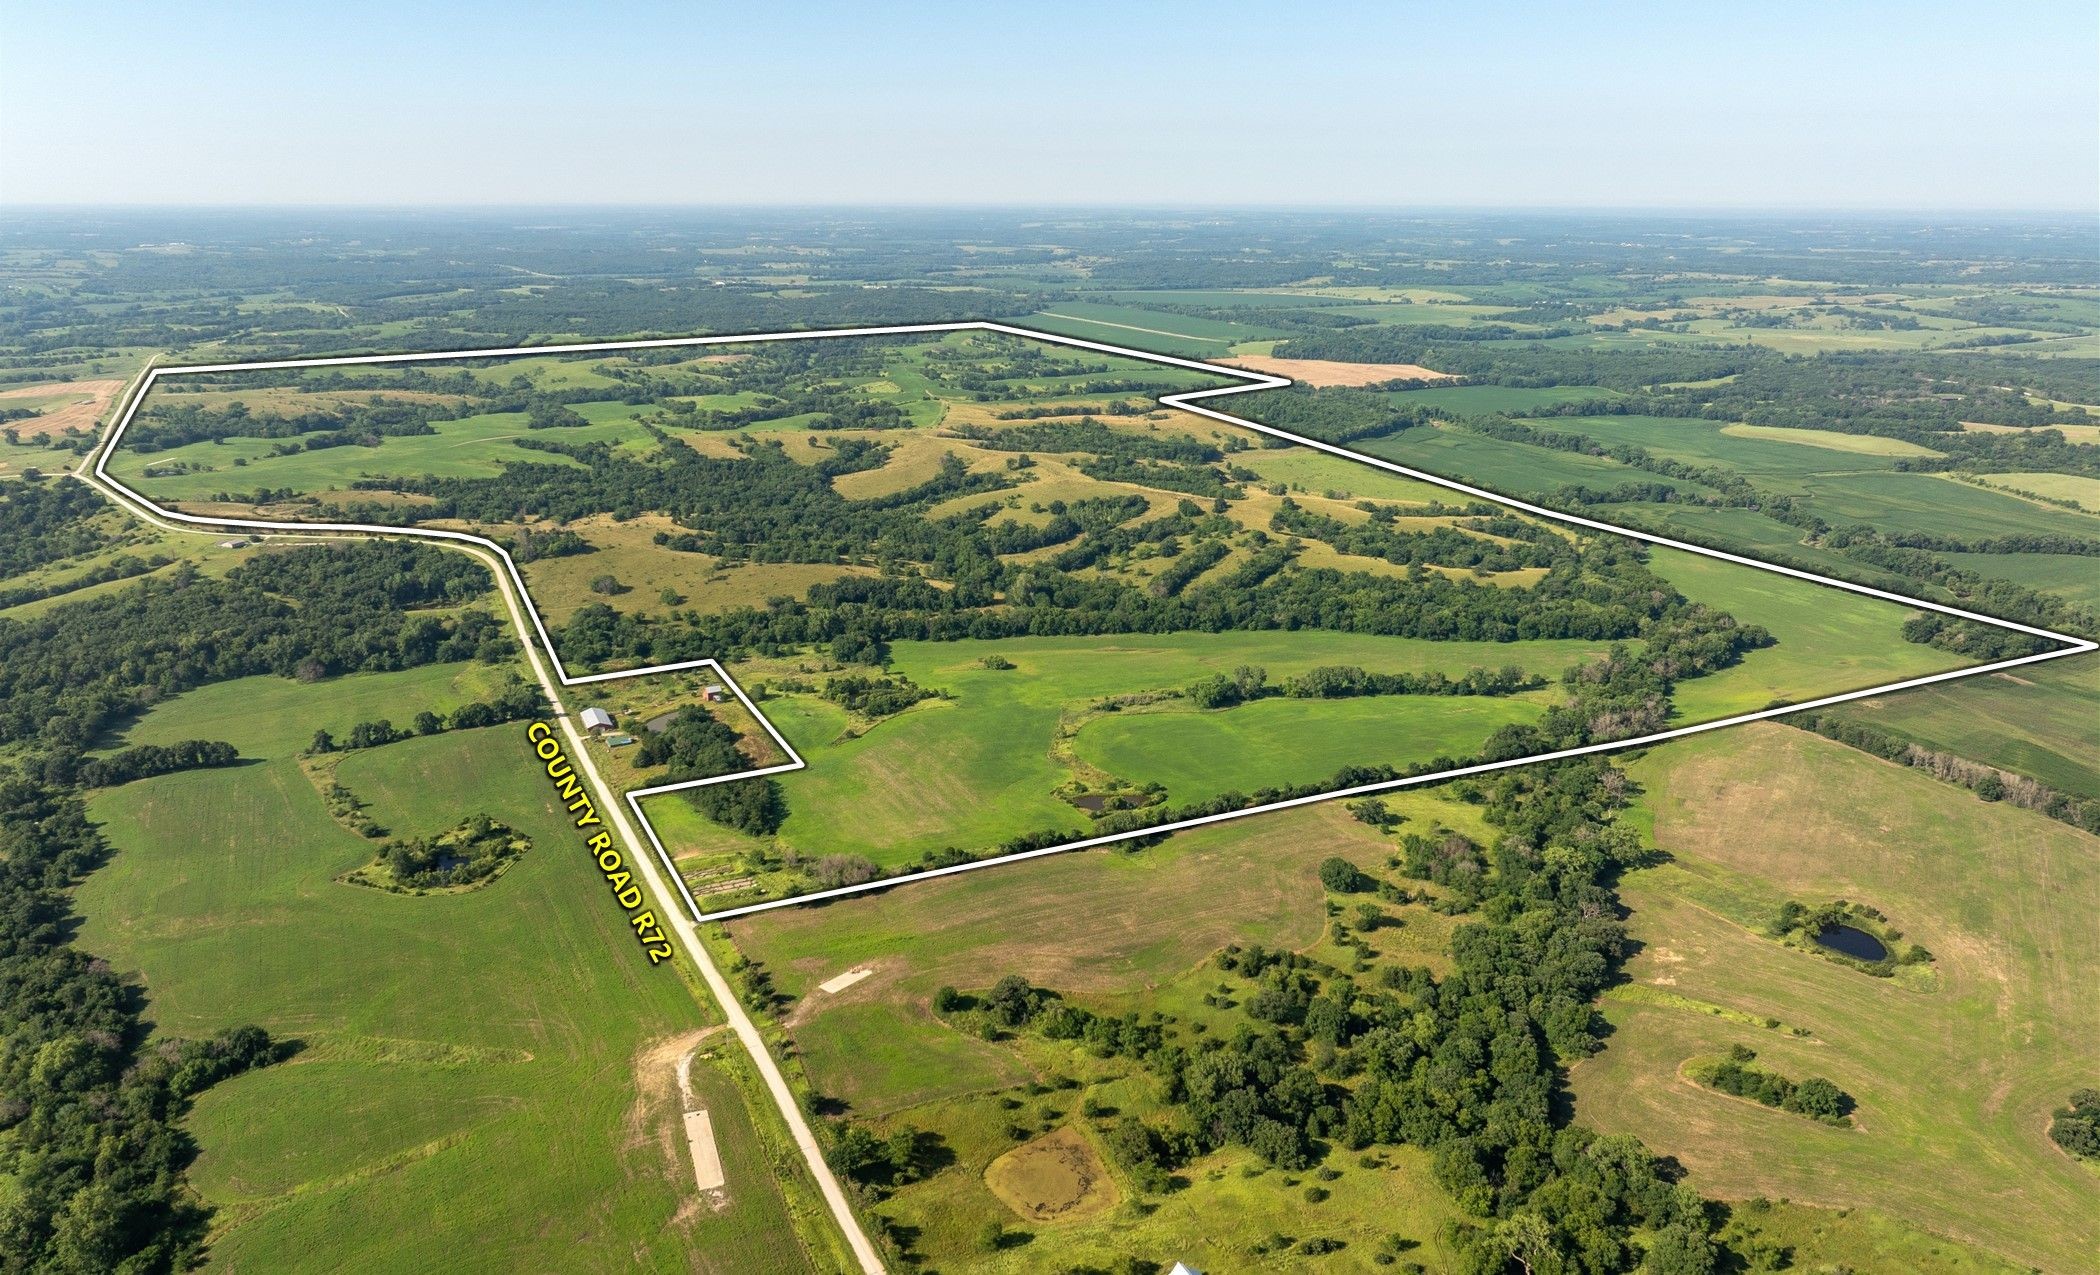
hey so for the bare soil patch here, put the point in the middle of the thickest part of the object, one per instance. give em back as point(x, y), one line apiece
point(655, 1137)
point(1329, 372)
point(1055, 1178)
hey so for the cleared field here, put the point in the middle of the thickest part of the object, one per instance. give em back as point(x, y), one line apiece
point(1777, 456)
point(2073, 577)
point(448, 1040)
point(1149, 329)
point(2073, 433)
point(471, 447)
point(1326, 372)
point(1305, 470)
point(1936, 505)
point(1829, 640)
point(59, 406)
point(276, 717)
point(18, 458)
point(1517, 468)
point(1955, 1084)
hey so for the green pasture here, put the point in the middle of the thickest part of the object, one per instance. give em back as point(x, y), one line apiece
point(1516, 468)
point(1746, 531)
point(1829, 640)
point(1180, 334)
point(1280, 742)
point(2042, 721)
point(1088, 925)
point(446, 1041)
point(1304, 469)
point(1755, 456)
point(1831, 440)
point(276, 717)
point(2073, 577)
point(976, 769)
point(2076, 488)
point(471, 447)
point(1935, 505)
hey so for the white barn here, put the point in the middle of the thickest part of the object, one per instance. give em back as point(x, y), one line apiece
point(597, 719)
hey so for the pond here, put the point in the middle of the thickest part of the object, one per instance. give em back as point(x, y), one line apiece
point(1853, 942)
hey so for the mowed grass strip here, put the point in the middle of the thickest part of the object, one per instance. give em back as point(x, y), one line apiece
point(1954, 1085)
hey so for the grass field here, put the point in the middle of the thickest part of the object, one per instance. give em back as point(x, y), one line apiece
point(2043, 721)
point(1775, 456)
point(276, 717)
point(1955, 1084)
point(1828, 640)
point(2081, 491)
point(1516, 468)
point(1143, 329)
point(1088, 925)
point(1936, 505)
point(2073, 577)
point(1278, 742)
point(977, 769)
point(1830, 440)
point(448, 1041)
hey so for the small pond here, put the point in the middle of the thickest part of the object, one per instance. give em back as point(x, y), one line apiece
point(1853, 942)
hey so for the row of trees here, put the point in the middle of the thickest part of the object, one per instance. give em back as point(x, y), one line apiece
point(1815, 1097)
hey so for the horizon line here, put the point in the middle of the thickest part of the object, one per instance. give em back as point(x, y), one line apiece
point(1023, 205)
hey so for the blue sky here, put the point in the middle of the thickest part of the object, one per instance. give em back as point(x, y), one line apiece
point(1770, 104)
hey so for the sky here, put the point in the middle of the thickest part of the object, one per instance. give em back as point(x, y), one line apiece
point(1761, 104)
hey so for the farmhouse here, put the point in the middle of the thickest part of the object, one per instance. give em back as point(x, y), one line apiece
point(597, 719)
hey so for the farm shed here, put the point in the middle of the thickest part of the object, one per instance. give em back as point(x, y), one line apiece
point(597, 719)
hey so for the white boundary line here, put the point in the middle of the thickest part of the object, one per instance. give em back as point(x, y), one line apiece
point(1186, 401)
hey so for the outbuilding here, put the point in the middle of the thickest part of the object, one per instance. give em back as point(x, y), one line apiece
point(714, 694)
point(597, 719)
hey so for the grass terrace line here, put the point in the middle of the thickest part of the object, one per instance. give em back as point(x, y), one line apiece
point(1192, 401)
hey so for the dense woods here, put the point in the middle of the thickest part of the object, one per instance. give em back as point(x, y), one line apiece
point(313, 612)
